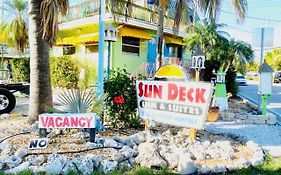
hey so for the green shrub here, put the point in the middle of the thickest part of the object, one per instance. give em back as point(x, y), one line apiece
point(122, 100)
point(90, 75)
point(20, 69)
point(64, 72)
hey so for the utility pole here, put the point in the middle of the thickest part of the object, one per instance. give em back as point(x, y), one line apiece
point(261, 61)
point(2, 45)
point(101, 49)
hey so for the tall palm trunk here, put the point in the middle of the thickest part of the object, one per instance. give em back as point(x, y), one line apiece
point(160, 32)
point(40, 87)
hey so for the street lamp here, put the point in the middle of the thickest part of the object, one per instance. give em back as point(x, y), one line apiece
point(198, 61)
point(265, 84)
point(110, 36)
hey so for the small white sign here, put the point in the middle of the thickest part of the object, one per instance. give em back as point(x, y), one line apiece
point(41, 143)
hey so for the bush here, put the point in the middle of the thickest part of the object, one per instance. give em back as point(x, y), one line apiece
point(20, 69)
point(64, 72)
point(90, 72)
point(122, 100)
point(231, 85)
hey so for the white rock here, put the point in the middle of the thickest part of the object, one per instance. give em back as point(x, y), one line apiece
point(86, 166)
point(55, 164)
point(6, 148)
point(128, 152)
point(13, 161)
point(119, 140)
point(97, 160)
point(138, 138)
point(172, 159)
point(21, 152)
point(204, 170)
point(37, 169)
point(69, 166)
point(186, 166)
point(36, 160)
point(219, 169)
point(108, 165)
point(130, 142)
point(110, 143)
point(91, 145)
point(258, 158)
point(252, 146)
point(22, 167)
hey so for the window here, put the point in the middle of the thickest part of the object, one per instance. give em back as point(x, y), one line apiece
point(92, 48)
point(131, 45)
point(68, 50)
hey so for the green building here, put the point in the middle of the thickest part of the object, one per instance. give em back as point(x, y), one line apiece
point(136, 45)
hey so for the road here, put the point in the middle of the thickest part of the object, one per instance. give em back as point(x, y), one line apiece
point(250, 93)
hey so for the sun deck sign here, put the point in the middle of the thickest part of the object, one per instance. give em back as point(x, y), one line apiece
point(80, 120)
point(182, 104)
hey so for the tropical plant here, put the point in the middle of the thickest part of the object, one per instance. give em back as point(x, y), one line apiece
point(21, 70)
point(122, 101)
point(64, 72)
point(217, 46)
point(273, 58)
point(212, 8)
point(16, 30)
point(43, 28)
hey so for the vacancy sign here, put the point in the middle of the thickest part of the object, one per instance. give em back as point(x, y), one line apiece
point(79, 120)
point(183, 104)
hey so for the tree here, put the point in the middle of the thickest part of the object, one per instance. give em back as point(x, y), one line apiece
point(16, 31)
point(43, 28)
point(273, 58)
point(217, 46)
point(212, 8)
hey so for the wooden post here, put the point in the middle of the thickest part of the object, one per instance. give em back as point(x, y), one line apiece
point(192, 131)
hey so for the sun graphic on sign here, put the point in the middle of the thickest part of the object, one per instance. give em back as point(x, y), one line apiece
point(171, 72)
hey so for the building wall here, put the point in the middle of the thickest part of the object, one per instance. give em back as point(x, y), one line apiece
point(126, 60)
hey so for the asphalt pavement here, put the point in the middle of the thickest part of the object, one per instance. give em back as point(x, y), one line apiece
point(250, 93)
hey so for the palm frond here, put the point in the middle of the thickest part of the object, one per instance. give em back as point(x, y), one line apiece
point(50, 10)
point(76, 100)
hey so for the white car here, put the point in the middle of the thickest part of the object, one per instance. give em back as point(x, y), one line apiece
point(241, 80)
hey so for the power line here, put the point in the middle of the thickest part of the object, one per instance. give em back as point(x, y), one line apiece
point(255, 18)
point(236, 28)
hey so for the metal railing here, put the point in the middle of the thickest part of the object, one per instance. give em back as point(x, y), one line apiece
point(118, 9)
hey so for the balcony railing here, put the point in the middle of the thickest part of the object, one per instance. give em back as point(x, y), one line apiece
point(118, 9)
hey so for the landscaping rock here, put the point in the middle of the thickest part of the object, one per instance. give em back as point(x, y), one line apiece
point(22, 167)
point(36, 160)
point(38, 169)
point(186, 166)
point(55, 163)
point(110, 143)
point(21, 152)
point(91, 145)
point(12, 161)
point(108, 165)
point(86, 166)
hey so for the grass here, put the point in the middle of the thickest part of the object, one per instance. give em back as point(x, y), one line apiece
point(271, 166)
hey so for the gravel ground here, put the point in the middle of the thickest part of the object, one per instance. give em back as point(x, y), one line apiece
point(266, 136)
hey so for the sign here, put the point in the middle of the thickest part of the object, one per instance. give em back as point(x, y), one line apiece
point(183, 104)
point(38, 143)
point(80, 120)
point(267, 37)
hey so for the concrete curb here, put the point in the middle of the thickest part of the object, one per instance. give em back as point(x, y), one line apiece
point(253, 104)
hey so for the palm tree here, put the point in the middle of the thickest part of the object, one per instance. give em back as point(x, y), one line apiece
point(43, 28)
point(212, 8)
point(16, 30)
point(217, 46)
